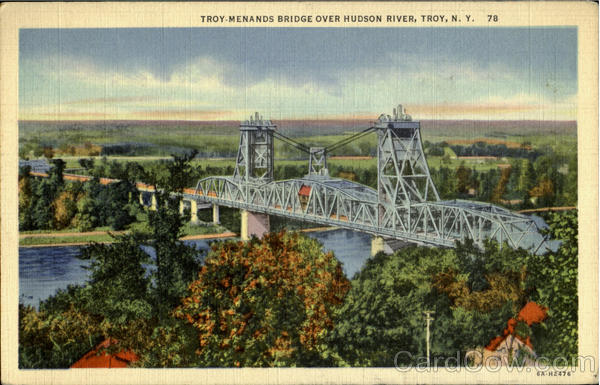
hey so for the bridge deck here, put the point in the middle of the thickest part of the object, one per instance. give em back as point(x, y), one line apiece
point(347, 204)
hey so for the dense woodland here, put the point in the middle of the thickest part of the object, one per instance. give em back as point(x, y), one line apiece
point(282, 301)
point(53, 204)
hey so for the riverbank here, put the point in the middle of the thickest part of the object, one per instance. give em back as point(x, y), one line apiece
point(48, 239)
point(44, 238)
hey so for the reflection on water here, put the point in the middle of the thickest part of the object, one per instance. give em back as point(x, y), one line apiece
point(43, 270)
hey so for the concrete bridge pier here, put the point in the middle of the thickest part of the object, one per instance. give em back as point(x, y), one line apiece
point(256, 224)
point(377, 245)
point(193, 211)
point(153, 204)
point(388, 246)
point(142, 199)
point(215, 209)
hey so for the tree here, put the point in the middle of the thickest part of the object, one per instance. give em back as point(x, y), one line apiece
point(527, 177)
point(473, 292)
point(489, 180)
point(55, 340)
point(114, 204)
point(86, 218)
point(570, 192)
point(526, 182)
point(550, 181)
point(445, 182)
point(382, 313)
point(474, 180)
point(266, 302)
point(486, 278)
point(121, 204)
point(176, 263)
point(515, 176)
point(42, 212)
point(463, 176)
point(113, 303)
point(553, 279)
point(88, 164)
point(118, 282)
point(544, 192)
point(500, 189)
point(56, 174)
point(45, 192)
point(26, 198)
point(48, 152)
point(65, 205)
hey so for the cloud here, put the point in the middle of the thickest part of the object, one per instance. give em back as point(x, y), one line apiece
point(112, 100)
point(183, 114)
point(202, 89)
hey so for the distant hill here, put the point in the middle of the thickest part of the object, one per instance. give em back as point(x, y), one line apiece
point(220, 138)
point(307, 127)
point(436, 127)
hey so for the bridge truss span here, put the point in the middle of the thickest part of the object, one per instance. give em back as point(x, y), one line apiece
point(346, 204)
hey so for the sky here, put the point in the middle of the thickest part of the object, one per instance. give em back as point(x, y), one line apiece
point(297, 73)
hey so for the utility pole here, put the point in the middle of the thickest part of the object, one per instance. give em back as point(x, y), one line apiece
point(429, 318)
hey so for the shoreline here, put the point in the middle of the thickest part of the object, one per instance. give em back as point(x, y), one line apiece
point(227, 234)
point(185, 238)
point(69, 234)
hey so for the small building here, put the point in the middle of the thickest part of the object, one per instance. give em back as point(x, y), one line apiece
point(510, 346)
point(97, 359)
point(478, 159)
point(37, 165)
point(504, 350)
point(304, 195)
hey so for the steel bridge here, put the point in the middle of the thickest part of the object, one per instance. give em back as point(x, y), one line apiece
point(405, 206)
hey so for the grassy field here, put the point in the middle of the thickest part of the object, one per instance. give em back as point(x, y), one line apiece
point(58, 232)
point(68, 236)
point(433, 162)
point(218, 144)
point(75, 239)
point(220, 139)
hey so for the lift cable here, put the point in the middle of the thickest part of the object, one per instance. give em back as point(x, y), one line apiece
point(349, 139)
point(291, 142)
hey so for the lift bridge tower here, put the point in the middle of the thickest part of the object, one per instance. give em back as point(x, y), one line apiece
point(402, 172)
point(254, 167)
point(254, 162)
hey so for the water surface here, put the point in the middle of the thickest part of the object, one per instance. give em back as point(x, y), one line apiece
point(43, 270)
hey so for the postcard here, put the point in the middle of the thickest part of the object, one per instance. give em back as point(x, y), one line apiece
point(328, 192)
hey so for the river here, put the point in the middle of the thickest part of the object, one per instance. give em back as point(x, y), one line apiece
point(43, 270)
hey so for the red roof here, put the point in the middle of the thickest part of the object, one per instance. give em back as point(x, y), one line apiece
point(530, 314)
point(105, 360)
point(304, 190)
